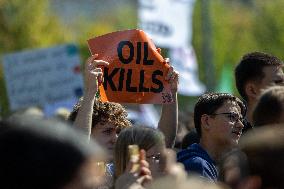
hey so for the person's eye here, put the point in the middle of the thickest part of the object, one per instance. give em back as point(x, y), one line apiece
point(279, 81)
point(233, 117)
point(118, 130)
point(108, 131)
point(158, 156)
point(149, 157)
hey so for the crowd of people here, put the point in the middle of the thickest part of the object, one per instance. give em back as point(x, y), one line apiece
point(227, 142)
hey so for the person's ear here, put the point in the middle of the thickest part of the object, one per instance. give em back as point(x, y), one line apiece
point(251, 90)
point(205, 121)
point(252, 182)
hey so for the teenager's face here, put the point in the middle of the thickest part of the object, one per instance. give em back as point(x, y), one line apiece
point(226, 128)
point(106, 135)
point(274, 76)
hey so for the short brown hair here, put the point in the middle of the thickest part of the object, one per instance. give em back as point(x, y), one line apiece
point(269, 107)
point(208, 103)
point(251, 67)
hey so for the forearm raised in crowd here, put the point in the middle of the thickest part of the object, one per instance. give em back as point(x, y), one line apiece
point(168, 122)
point(84, 116)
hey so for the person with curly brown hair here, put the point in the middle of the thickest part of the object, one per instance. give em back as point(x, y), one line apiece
point(104, 120)
point(107, 119)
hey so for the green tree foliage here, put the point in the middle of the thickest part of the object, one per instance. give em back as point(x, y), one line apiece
point(239, 27)
point(26, 24)
point(268, 26)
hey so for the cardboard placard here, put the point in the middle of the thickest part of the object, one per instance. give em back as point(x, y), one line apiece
point(43, 77)
point(137, 71)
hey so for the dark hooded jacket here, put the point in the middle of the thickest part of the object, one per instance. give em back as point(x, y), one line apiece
point(196, 160)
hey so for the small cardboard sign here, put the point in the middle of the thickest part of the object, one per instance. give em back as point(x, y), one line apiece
point(137, 71)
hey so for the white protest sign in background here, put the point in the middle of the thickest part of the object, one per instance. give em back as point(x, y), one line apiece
point(167, 22)
point(43, 77)
point(184, 61)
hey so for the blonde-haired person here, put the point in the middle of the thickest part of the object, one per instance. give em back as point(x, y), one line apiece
point(155, 163)
point(148, 139)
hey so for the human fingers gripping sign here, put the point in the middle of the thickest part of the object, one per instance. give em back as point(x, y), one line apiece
point(172, 76)
point(136, 73)
point(93, 73)
point(174, 80)
point(99, 74)
point(170, 73)
point(159, 50)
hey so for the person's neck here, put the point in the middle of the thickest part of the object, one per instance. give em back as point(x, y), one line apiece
point(215, 151)
point(250, 109)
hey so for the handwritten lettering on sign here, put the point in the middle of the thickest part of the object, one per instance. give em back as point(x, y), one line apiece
point(136, 72)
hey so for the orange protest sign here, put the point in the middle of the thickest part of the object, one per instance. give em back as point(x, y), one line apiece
point(137, 71)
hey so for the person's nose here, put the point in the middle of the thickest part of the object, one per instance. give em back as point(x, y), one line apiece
point(114, 137)
point(239, 124)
